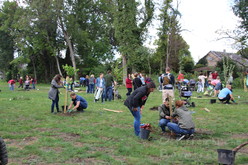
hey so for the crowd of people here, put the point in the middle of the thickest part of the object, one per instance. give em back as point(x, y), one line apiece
point(177, 119)
point(29, 83)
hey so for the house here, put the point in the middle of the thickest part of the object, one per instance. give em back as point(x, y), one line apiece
point(213, 57)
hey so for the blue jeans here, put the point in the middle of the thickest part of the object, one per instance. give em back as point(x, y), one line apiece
point(12, 87)
point(88, 88)
point(108, 93)
point(163, 123)
point(177, 130)
point(33, 86)
point(136, 123)
point(91, 86)
point(56, 103)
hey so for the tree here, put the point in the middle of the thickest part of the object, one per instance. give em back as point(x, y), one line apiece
point(171, 45)
point(8, 16)
point(240, 10)
point(129, 30)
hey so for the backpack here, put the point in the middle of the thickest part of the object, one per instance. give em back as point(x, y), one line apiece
point(167, 79)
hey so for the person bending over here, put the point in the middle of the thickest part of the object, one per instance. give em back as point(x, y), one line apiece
point(79, 102)
point(136, 101)
point(225, 95)
point(185, 126)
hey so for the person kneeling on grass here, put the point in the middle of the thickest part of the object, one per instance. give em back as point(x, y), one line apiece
point(79, 102)
point(225, 95)
point(185, 127)
point(164, 114)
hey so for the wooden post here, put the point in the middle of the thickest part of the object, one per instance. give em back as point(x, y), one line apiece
point(170, 106)
point(245, 88)
point(65, 103)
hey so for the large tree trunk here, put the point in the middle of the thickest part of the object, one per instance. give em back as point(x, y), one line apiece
point(35, 75)
point(167, 51)
point(57, 62)
point(69, 43)
point(124, 67)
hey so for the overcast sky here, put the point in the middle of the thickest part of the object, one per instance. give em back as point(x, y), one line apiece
point(201, 19)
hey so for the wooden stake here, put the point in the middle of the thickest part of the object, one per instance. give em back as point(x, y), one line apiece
point(65, 103)
point(245, 88)
point(118, 111)
point(205, 109)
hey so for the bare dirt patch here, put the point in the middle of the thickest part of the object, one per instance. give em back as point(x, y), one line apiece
point(21, 143)
point(68, 136)
point(240, 136)
point(80, 161)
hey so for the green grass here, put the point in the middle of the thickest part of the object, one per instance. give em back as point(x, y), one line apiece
point(35, 136)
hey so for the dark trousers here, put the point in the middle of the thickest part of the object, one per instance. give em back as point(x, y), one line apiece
point(227, 99)
point(21, 85)
point(129, 91)
point(108, 93)
point(56, 103)
point(81, 107)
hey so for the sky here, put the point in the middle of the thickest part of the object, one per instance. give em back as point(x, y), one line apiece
point(200, 20)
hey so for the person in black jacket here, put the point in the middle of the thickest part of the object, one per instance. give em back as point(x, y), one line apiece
point(136, 81)
point(136, 101)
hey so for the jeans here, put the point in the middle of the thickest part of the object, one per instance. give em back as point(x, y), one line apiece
point(108, 93)
point(136, 123)
point(129, 91)
point(163, 123)
point(91, 88)
point(11, 87)
point(176, 129)
point(88, 88)
point(56, 103)
point(33, 86)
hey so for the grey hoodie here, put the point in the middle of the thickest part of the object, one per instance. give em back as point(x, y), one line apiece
point(184, 118)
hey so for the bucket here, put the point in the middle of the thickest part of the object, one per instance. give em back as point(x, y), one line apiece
point(63, 107)
point(144, 133)
point(226, 156)
point(212, 101)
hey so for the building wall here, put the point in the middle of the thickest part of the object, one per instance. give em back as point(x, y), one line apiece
point(212, 59)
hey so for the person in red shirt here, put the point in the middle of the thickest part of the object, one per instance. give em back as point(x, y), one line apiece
point(180, 77)
point(129, 85)
point(215, 75)
point(20, 83)
point(11, 84)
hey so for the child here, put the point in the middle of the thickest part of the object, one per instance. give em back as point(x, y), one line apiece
point(20, 83)
point(185, 126)
point(199, 86)
point(27, 83)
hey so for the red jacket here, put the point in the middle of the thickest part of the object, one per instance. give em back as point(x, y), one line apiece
point(129, 83)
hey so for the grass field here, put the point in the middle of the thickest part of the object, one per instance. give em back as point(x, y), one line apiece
point(35, 136)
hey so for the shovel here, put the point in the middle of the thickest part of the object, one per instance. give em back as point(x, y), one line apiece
point(228, 156)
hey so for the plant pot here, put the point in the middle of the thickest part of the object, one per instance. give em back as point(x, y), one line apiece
point(212, 101)
point(144, 133)
point(64, 107)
